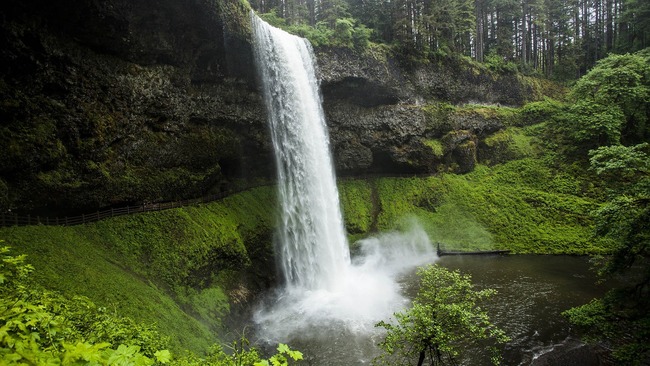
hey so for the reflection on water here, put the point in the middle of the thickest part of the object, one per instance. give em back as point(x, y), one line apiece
point(532, 292)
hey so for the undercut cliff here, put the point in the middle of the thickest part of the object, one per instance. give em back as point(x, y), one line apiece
point(108, 103)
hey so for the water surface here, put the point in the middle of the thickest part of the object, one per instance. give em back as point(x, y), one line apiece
point(532, 292)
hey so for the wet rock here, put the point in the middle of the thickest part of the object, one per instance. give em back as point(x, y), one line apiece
point(460, 148)
point(113, 102)
point(383, 139)
point(476, 123)
point(374, 77)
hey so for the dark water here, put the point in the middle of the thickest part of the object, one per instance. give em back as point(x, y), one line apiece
point(532, 292)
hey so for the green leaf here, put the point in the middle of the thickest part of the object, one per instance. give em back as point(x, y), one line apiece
point(163, 356)
point(122, 355)
point(283, 348)
point(296, 355)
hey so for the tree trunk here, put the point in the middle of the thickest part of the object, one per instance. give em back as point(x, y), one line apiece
point(479, 30)
point(524, 33)
point(421, 359)
point(609, 29)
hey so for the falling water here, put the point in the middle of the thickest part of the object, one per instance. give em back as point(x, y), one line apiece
point(325, 293)
point(311, 243)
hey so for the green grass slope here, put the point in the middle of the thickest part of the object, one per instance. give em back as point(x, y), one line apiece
point(175, 268)
point(522, 205)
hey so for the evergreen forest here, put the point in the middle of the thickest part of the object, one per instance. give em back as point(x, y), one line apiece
point(560, 39)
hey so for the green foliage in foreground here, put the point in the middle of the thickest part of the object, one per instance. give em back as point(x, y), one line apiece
point(41, 327)
point(240, 353)
point(444, 317)
point(175, 268)
point(70, 263)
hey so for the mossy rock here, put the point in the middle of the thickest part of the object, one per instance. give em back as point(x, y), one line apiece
point(505, 145)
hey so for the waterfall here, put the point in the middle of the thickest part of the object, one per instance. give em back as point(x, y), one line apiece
point(325, 293)
point(311, 244)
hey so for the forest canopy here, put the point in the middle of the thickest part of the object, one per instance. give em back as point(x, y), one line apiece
point(559, 38)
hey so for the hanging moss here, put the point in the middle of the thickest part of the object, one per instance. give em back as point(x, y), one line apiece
point(357, 203)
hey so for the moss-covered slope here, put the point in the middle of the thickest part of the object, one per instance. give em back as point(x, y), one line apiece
point(519, 206)
point(181, 269)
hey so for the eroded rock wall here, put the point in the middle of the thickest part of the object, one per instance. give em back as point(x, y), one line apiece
point(379, 115)
point(115, 102)
point(125, 101)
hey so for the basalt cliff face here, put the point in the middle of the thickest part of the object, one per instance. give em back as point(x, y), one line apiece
point(119, 101)
point(379, 119)
point(132, 101)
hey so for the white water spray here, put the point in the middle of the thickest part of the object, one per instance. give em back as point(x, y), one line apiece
point(323, 288)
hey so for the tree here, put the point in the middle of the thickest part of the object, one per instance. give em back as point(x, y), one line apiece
point(621, 163)
point(621, 81)
point(444, 314)
point(622, 318)
point(610, 107)
point(561, 38)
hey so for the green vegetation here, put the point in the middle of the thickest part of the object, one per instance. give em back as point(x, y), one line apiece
point(175, 268)
point(341, 32)
point(523, 205)
point(609, 106)
point(622, 317)
point(552, 38)
point(508, 144)
point(436, 147)
point(604, 134)
point(444, 317)
point(42, 327)
point(504, 115)
point(357, 205)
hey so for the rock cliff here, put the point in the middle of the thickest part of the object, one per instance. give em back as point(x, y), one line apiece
point(120, 101)
point(379, 121)
point(129, 101)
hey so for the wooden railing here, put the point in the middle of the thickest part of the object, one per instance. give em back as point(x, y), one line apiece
point(9, 219)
